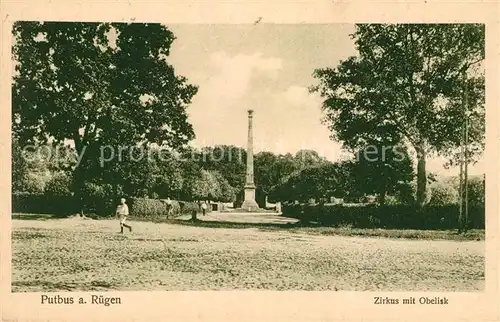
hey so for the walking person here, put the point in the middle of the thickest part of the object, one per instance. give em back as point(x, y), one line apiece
point(168, 202)
point(204, 208)
point(122, 214)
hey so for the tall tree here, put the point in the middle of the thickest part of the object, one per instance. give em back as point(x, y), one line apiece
point(318, 182)
point(266, 175)
point(308, 158)
point(272, 170)
point(170, 177)
point(226, 192)
point(98, 84)
point(408, 79)
point(206, 186)
point(228, 160)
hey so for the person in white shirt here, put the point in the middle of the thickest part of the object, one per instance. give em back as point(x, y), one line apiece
point(122, 214)
point(204, 208)
point(168, 202)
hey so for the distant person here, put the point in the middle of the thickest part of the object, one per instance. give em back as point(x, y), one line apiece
point(168, 202)
point(122, 214)
point(204, 208)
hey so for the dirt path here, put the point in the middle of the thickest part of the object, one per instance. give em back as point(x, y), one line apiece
point(90, 255)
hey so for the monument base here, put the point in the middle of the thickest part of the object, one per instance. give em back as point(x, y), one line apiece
point(250, 206)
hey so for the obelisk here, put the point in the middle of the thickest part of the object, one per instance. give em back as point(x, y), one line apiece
point(250, 204)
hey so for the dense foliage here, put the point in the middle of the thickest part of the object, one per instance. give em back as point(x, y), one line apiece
point(99, 85)
point(408, 80)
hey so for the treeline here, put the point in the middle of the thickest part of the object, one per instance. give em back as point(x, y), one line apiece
point(218, 174)
point(211, 173)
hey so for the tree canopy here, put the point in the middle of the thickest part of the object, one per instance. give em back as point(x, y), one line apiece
point(93, 82)
point(98, 84)
point(408, 80)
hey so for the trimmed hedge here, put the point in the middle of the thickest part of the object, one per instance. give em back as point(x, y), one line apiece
point(141, 207)
point(101, 206)
point(43, 204)
point(389, 216)
point(187, 207)
point(61, 205)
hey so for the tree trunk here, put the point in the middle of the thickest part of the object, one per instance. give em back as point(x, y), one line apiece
point(421, 176)
point(466, 178)
point(383, 193)
point(461, 187)
point(78, 184)
point(78, 173)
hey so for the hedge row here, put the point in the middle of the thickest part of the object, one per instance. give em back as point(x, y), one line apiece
point(43, 204)
point(141, 207)
point(390, 216)
point(66, 205)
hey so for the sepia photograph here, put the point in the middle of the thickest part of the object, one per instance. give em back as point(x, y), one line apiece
point(257, 156)
point(249, 161)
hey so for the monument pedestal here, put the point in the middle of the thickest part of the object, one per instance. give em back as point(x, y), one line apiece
point(250, 204)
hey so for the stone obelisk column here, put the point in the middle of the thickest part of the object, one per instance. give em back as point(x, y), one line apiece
point(250, 204)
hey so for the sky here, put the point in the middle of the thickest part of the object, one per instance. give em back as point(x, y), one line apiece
point(267, 68)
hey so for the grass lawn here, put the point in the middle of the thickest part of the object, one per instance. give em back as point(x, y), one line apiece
point(75, 254)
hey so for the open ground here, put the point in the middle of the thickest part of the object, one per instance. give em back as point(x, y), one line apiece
point(76, 254)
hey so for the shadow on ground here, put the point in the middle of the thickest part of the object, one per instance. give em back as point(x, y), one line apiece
point(298, 227)
point(19, 216)
point(317, 229)
point(228, 224)
point(29, 216)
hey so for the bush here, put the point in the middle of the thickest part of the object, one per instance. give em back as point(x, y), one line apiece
point(188, 207)
point(389, 216)
point(43, 204)
point(142, 207)
point(59, 185)
point(442, 194)
point(392, 200)
point(61, 204)
point(32, 183)
point(98, 199)
point(409, 194)
point(58, 200)
point(96, 190)
point(476, 192)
